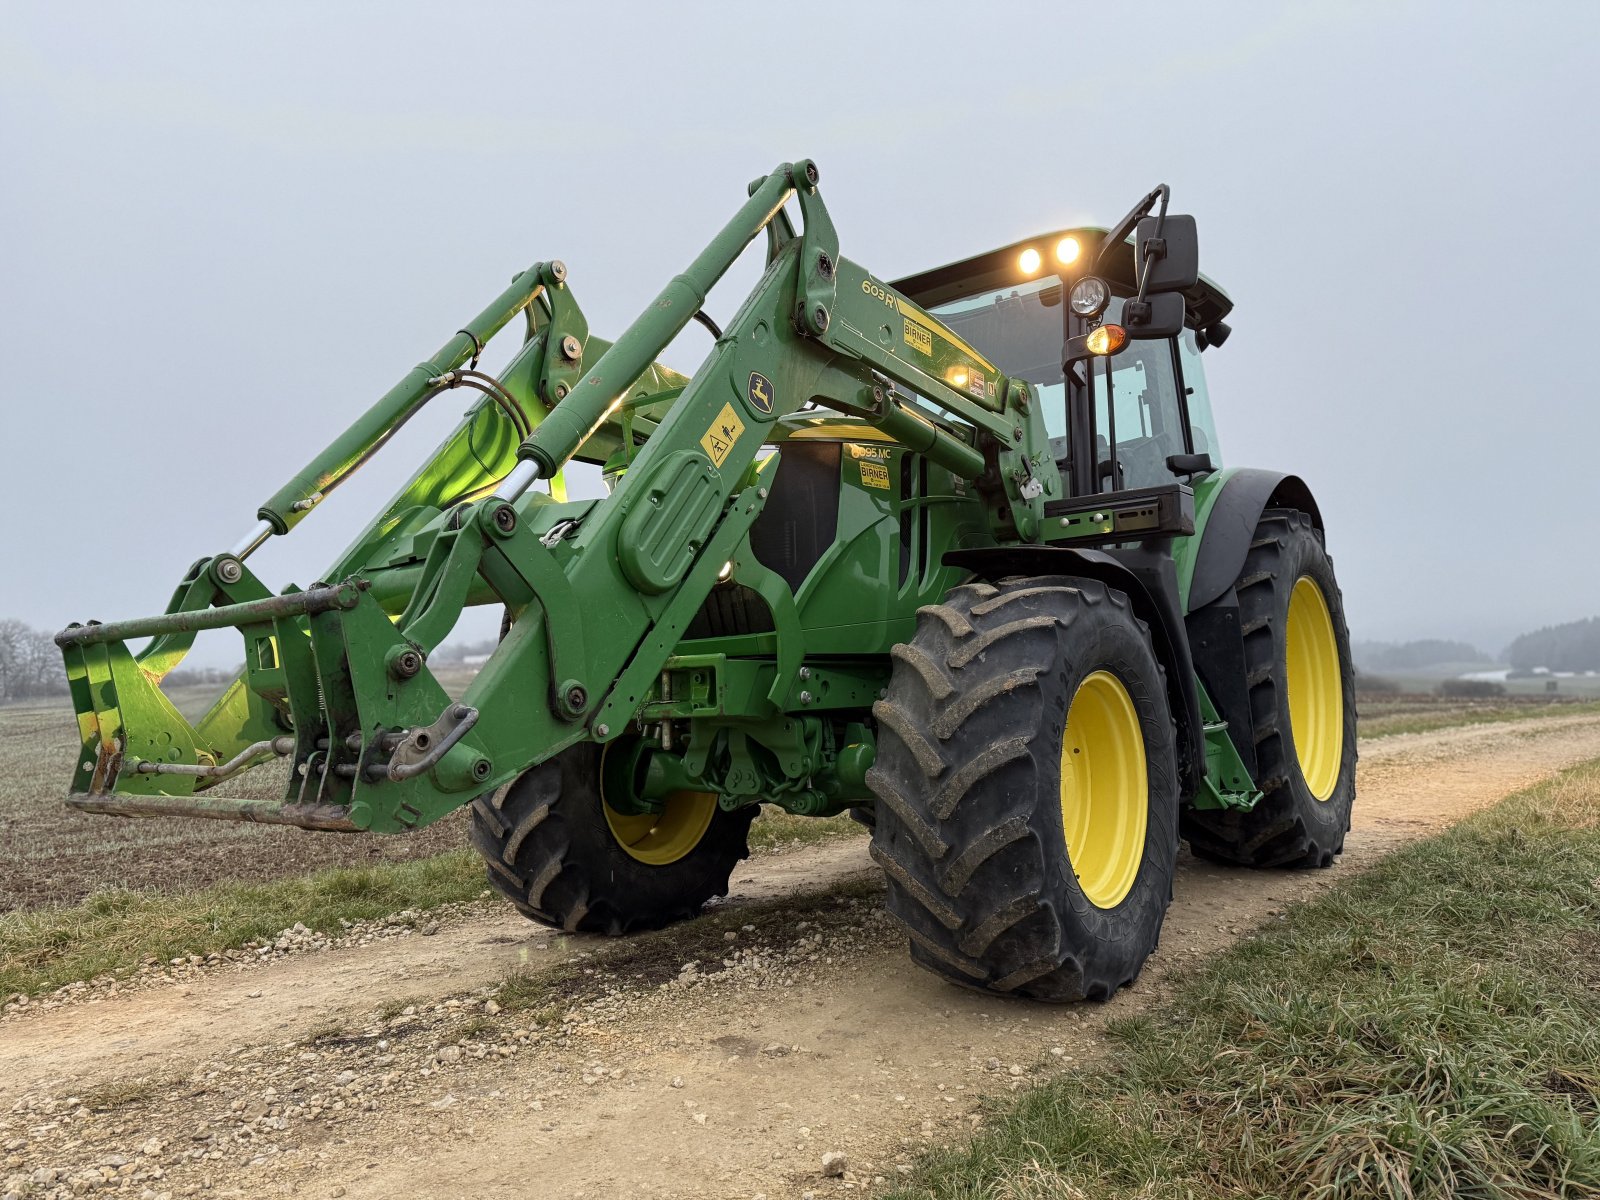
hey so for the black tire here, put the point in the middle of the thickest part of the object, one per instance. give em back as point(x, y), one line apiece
point(551, 852)
point(1290, 827)
point(970, 828)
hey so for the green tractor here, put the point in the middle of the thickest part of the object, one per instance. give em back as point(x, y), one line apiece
point(955, 553)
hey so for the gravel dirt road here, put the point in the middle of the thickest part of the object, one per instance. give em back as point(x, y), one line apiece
point(720, 1059)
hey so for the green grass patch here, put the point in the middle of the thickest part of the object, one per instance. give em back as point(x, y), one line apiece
point(1430, 1028)
point(1393, 718)
point(775, 829)
point(115, 931)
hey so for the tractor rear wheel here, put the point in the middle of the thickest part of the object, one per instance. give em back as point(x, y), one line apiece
point(565, 857)
point(1027, 789)
point(1302, 706)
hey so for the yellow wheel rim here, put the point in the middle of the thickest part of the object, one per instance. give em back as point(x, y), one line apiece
point(1316, 688)
point(664, 837)
point(1105, 789)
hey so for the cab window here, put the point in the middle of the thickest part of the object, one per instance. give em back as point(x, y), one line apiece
point(1019, 329)
point(1202, 428)
point(1137, 408)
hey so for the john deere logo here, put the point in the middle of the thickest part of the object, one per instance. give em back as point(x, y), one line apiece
point(761, 392)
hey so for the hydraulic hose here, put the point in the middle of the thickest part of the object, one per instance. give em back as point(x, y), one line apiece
point(490, 387)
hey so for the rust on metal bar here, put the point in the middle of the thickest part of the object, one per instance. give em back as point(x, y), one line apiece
point(330, 817)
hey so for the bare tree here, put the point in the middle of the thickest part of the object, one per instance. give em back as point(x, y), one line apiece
point(12, 636)
point(30, 665)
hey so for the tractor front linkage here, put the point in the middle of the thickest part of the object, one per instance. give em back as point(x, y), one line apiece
point(336, 677)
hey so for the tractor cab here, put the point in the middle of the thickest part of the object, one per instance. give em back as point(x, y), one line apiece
point(1141, 413)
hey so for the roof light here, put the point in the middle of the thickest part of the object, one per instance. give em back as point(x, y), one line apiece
point(1030, 261)
point(1107, 339)
point(1067, 251)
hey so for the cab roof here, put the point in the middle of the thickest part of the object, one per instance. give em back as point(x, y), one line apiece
point(1204, 303)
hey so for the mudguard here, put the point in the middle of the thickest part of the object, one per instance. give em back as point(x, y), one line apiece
point(1215, 638)
point(1149, 580)
point(1230, 524)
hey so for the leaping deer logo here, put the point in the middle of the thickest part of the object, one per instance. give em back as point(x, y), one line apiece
point(761, 392)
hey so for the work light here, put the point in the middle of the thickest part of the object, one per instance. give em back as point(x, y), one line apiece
point(1090, 295)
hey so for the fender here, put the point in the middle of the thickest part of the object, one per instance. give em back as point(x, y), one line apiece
point(1147, 577)
point(1229, 519)
point(1214, 557)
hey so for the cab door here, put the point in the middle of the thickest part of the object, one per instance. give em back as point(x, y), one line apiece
point(1140, 415)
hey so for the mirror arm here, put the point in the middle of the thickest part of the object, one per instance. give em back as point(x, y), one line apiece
point(1155, 247)
point(1125, 226)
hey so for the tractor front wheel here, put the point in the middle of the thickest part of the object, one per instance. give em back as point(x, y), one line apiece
point(565, 857)
point(1027, 789)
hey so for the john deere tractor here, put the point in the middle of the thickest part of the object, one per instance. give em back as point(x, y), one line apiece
point(956, 553)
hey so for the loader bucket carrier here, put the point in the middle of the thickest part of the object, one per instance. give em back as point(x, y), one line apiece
point(956, 553)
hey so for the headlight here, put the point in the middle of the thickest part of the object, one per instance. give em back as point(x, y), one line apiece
point(1030, 261)
point(1090, 295)
point(1067, 251)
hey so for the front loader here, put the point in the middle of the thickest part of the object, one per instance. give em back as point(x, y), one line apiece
point(955, 553)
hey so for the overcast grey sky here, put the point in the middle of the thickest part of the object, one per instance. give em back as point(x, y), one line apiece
point(228, 228)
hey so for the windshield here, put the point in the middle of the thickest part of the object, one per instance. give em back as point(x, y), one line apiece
point(1019, 329)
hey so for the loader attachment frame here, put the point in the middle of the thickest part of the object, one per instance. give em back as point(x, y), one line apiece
point(336, 678)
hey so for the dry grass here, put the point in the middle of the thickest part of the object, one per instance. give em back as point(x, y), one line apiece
point(1382, 716)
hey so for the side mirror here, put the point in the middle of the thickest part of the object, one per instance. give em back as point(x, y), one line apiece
point(1173, 259)
point(1189, 464)
point(1157, 317)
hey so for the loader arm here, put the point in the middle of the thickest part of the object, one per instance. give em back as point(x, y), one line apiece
point(336, 678)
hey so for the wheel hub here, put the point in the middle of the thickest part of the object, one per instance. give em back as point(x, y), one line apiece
point(1316, 688)
point(1105, 789)
point(659, 838)
point(653, 831)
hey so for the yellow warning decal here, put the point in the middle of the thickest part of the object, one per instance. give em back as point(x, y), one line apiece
point(724, 432)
